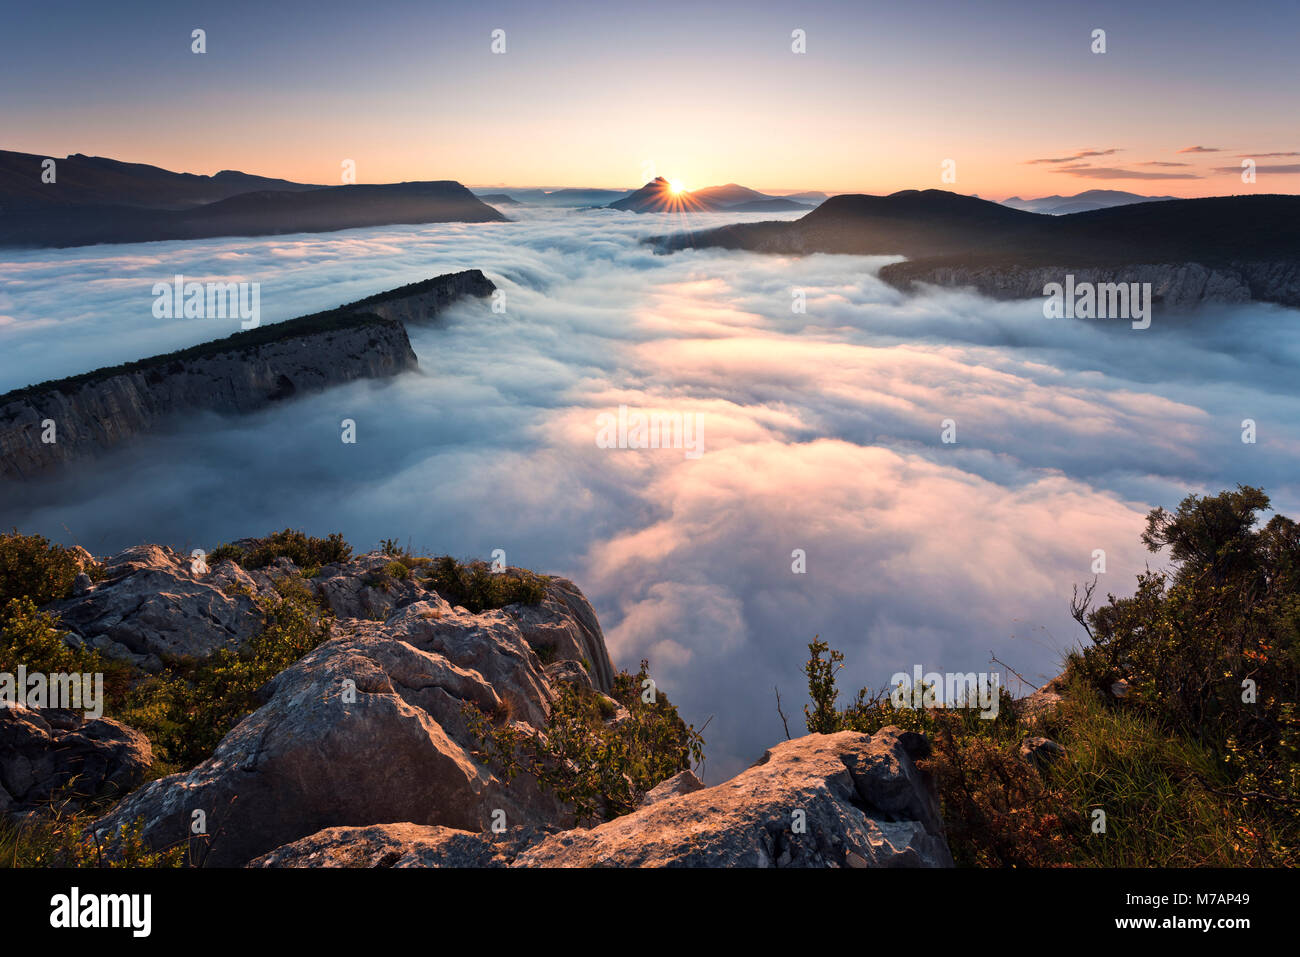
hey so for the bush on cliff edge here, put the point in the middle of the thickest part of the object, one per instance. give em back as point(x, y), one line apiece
point(596, 760)
point(1197, 764)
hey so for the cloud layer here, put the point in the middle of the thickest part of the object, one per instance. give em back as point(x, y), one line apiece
point(822, 433)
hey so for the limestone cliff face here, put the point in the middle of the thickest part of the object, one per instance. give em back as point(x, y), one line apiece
point(99, 414)
point(362, 752)
point(859, 799)
point(370, 726)
point(239, 374)
point(1179, 285)
point(422, 301)
point(1192, 251)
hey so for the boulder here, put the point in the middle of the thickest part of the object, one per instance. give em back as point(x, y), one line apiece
point(568, 671)
point(683, 782)
point(402, 845)
point(368, 728)
point(863, 802)
point(51, 755)
point(359, 589)
point(565, 624)
point(152, 604)
point(841, 800)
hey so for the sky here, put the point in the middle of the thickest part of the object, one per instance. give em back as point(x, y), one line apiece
point(822, 431)
point(609, 94)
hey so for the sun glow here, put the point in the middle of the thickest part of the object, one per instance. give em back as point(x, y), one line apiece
point(676, 186)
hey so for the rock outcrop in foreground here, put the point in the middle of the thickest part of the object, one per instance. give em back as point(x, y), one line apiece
point(53, 754)
point(239, 374)
point(370, 726)
point(151, 604)
point(838, 800)
point(363, 752)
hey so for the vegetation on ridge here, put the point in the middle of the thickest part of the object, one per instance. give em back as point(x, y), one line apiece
point(1197, 764)
point(188, 706)
point(167, 363)
point(599, 754)
point(32, 568)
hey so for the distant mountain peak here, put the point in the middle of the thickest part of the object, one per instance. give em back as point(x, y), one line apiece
point(658, 196)
point(1087, 201)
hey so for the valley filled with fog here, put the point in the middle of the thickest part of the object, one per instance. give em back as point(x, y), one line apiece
point(821, 432)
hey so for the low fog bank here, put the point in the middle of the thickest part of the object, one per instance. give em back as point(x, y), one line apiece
point(821, 432)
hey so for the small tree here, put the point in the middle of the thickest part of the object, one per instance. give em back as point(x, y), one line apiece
point(823, 717)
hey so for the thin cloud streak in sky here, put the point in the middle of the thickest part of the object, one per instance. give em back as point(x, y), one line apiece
point(1114, 172)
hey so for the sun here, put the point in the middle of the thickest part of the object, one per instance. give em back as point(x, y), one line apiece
point(676, 186)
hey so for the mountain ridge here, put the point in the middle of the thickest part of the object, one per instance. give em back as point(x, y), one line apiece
point(80, 179)
point(659, 196)
point(950, 239)
point(97, 410)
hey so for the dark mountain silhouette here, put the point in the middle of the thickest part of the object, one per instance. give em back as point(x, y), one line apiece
point(776, 204)
point(1083, 202)
point(910, 223)
point(582, 197)
point(730, 195)
point(963, 240)
point(266, 212)
point(97, 181)
point(811, 197)
point(933, 222)
point(658, 196)
point(742, 199)
point(571, 198)
point(499, 199)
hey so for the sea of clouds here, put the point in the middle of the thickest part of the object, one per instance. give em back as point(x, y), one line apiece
point(822, 432)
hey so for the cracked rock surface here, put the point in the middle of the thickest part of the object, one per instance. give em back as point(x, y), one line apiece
point(837, 800)
point(369, 727)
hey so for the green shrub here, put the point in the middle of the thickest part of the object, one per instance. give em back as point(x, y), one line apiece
point(299, 590)
point(823, 718)
point(299, 548)
point(32, 638)
point(1189, 767)
point(475, 586)
point(30, 567)
point(61, 839)
point(187, 708)
point(602, 769)
point(1211, 648)
point(225, 552)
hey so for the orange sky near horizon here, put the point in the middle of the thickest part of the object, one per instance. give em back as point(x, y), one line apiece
point(980, 170)
point(584, 96)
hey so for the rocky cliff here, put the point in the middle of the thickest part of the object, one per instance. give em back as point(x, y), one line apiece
point(117, 209)
point(824, 800)
point(369, 727)
point(49, 425)
point(422, 301)
point(363, 751)
point(1179, 285)
point(1217, 249)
